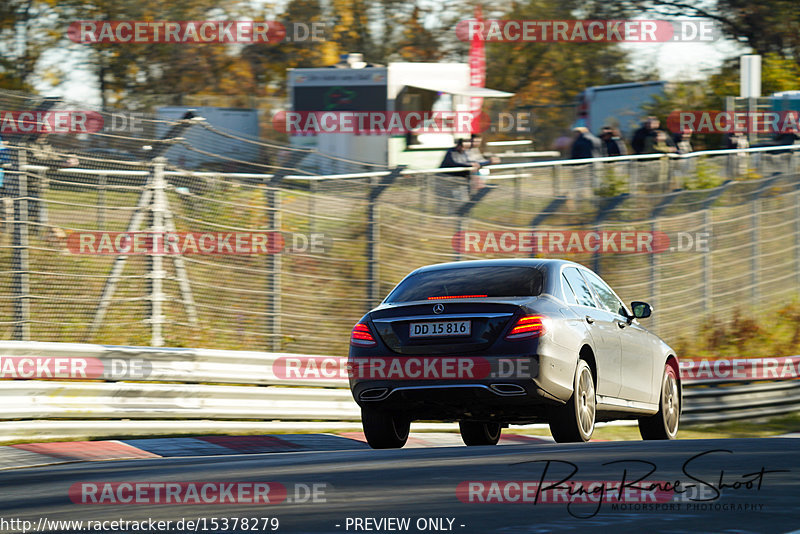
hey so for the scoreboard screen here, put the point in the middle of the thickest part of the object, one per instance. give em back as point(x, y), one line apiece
point(340, 98)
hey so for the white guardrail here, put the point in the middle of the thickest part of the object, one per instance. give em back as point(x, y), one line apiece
point(43, 383)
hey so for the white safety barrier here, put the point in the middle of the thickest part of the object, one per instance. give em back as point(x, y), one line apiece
point(82, 382)
point(109, 362)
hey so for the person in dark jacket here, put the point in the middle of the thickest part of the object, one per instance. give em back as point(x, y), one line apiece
point(613, 145)
point(640, 136)
point(789, 137)
point(648, 138)
point(458, 156)
point(585, 145)
point(659, 143)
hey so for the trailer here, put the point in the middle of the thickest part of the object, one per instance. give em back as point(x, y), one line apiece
point(618, 105)
point(400, 87)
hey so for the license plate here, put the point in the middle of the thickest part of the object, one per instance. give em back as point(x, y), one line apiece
point(440, 329)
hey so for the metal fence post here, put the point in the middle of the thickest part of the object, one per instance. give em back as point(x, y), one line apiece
point(707, 266)
point(556, 180)
point(312, 207)
point(156, 255)
point(756, 251)
point(101, 201)
point(459, 232)
point(428, 191)
point(464, 211)
point(671, 172)
point(655, 273)
point(797, 237)
point(373, 234)
point(274, 288)
point(20, 257)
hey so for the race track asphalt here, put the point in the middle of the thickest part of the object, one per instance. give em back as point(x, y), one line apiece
point(760, 478)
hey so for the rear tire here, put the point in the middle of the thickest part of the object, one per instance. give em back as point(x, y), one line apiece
point(384, 430)
point(574, 422)
point(479, 433)
point(664, 424)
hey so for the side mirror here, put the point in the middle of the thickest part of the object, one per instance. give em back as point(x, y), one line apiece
point(641, 310)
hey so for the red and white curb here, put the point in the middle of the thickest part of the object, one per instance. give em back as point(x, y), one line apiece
point(37, 454)
point(49, 453)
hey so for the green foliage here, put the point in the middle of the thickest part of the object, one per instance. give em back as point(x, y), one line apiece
point(612, 183)
point(705, 176)
point(772, 334)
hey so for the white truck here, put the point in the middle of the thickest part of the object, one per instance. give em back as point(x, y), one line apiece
point(618, 106)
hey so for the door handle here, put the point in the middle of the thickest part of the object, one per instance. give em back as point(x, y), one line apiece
point(621, 324)
point(589, 319)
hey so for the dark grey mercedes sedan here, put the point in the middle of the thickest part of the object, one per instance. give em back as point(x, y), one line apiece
point(496, 342)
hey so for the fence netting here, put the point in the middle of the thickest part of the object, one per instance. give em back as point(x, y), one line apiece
point(344, 242)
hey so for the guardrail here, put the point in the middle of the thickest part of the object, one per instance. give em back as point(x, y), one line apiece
point(746, 401)
point(501, 171)
point(75, 382)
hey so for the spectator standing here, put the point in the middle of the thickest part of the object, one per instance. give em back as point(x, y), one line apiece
point(650, 128)
point(640, 135)
point(457, 156)
point(657, 143)
point(789, 137)
point(613, 145)
point(585, 145)
point(475, 154)
point(736, 141)
point(683, 142)
point(563, 144)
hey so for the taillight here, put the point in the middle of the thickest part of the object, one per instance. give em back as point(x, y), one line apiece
point(361, 336)
point(526, 327)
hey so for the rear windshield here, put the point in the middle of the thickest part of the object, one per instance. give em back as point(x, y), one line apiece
point(469, 282)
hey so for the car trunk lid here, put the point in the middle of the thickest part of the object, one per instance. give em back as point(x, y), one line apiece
point(484, 322)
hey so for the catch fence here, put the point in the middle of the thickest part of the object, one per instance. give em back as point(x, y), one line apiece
point(730, 221)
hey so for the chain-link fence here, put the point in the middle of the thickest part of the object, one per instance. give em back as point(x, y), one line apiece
point(727, 226)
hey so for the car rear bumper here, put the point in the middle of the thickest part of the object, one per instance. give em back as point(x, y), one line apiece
point(508, 400)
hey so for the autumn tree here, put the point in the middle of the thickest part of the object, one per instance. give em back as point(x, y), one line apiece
point(766, 26)
point(417, 42)
point(547, 77)
point(351, 29)
point(24, 35)
point(133, 72)
point(269, 61)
